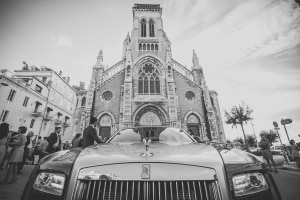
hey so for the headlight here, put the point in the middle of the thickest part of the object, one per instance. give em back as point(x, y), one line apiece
point(245, 184)
point(50, 182)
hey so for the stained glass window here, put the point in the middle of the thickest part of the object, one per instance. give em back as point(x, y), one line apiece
point(148, 81)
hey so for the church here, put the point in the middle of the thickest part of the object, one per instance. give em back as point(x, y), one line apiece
point(149, 87)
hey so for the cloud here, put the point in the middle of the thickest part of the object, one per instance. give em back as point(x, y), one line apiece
point(234, 30)
point(62, 41)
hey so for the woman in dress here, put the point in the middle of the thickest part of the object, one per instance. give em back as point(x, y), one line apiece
point(16, 156)
point(295, 152)
point(4, 129)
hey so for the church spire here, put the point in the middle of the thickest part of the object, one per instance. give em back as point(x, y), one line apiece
point(100, 60)
point(127, 39)
point(195, 61)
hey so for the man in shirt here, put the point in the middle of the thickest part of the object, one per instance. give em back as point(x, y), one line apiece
point(90, 134)
point(27, 147)
point(54, 141)
point(266, 152)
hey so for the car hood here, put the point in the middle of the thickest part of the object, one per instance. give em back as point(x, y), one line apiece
point(191, 154)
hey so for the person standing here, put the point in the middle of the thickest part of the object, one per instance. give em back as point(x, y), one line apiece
point(295, 152)
point(90, 134)
point(41, 150)
point(266, 152)
point(4, 129)
point(16, 156)
point(54, 141)
point(66, 146)
point(27, 147)
point(285, 153)
point(76, 141)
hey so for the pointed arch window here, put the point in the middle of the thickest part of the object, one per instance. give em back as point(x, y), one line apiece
point(148, 81)
point(151, 28)
point(143, 28)
point(83, 101)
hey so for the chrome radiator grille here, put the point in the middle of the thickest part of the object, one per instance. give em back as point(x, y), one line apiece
point(147, 190)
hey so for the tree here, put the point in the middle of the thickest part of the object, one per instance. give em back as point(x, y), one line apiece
point(270, 135)
point(240, 114)
point(251, 140)
point(240, 140)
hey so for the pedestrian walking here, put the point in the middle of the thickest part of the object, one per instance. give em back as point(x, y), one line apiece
point(285, 153)
point(54, 141)
point(27, 148)
point(90, 134)
point(295, 152)
point(266, 152)
point(16, 156)
point(4, 129)
point(76, 141)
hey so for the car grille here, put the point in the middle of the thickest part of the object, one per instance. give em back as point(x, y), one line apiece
point(147, 190)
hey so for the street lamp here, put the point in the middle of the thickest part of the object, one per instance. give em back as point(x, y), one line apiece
point(254, 134)
point(284, 122)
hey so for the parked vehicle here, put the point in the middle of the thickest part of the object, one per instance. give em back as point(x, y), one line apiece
point(151, 163)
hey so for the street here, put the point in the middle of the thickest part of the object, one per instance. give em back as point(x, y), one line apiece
point(288, 182)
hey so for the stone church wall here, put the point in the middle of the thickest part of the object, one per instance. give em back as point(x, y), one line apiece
point(113, 106)
point(182, 86)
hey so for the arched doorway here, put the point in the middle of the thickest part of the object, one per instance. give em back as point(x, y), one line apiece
point(105, 126)
point(149, 118)
point(150, 115)
point(193, 124)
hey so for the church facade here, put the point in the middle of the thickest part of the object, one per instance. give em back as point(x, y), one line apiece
point(149, 87)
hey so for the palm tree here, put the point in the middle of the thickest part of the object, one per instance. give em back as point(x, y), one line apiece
point(240, 114)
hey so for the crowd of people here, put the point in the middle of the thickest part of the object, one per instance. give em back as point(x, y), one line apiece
point(290, 153)
point(18, 148)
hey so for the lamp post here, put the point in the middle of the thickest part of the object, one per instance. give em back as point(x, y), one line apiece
point(284, 122)
point(254, 134)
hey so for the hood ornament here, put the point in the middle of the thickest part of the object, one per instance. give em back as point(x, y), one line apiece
point(147, 145)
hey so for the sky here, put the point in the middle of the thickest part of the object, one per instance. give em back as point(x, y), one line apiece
point(249, 50)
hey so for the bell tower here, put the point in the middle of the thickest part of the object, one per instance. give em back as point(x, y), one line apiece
point(148, 36)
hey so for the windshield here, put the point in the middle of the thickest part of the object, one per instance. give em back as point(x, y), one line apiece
point(159, 134)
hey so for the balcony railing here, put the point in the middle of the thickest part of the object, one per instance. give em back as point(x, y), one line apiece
point(48, 117)
point(37, 113)
point(66, 124)
point(58, 121)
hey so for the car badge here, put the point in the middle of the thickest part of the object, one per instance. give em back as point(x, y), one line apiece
point(147, 145)
point(146, 171)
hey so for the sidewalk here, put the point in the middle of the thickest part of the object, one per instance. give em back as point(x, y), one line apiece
point(14, 191)
point(291, 166)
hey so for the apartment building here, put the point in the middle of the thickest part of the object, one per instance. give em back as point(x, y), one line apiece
point(38, 98)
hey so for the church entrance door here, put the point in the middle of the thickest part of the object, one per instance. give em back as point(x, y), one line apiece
point(193, 124)
point(104, 131)
point(194, 128)
point(105, 126)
